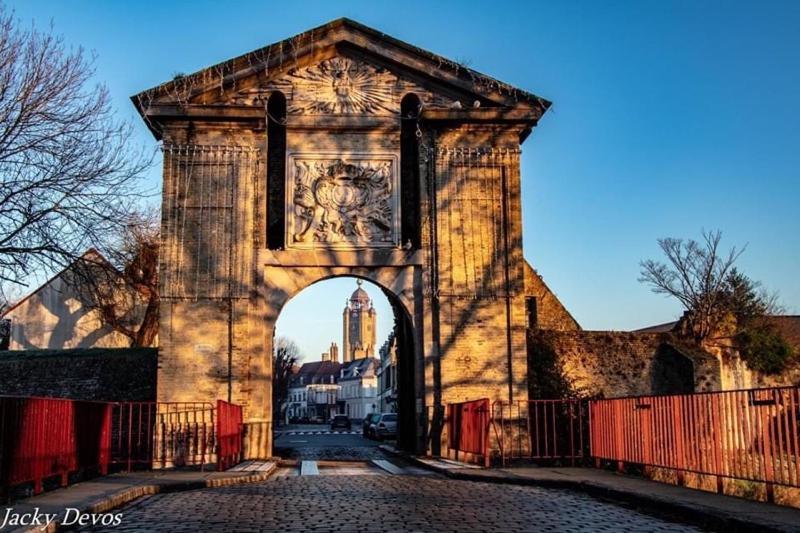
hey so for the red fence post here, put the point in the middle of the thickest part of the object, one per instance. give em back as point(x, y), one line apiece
point(468, 428)
point(229, 434)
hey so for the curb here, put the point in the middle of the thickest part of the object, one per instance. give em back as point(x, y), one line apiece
point(128, 495)
point(669, 509)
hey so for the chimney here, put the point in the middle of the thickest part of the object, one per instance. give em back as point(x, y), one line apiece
point(326, 356)
point(334, 351)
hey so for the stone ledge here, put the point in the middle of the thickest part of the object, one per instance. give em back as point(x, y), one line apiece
point(340, 258)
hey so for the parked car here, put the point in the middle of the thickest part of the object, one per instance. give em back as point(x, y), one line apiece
point(317, 420)
point(366, 424)
point(386, 426)
point(340, 421)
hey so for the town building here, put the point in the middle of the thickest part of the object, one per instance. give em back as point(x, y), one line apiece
point(313, 391)
point(387, 375)
point(358, 395)
point(60, 314)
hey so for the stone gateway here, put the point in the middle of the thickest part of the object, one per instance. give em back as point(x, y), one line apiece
point(342, 151)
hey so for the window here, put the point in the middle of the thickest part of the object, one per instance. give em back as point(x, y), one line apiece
point(530, 309)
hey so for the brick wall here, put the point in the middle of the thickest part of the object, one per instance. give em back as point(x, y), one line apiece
point(126, 374)
point(550, 312)
point(611, 364)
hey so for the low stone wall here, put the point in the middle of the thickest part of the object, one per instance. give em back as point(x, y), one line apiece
point(612, 364)
point(125, 374)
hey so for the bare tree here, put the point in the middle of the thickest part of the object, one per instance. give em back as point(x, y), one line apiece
point(696, 274)
point(284, 362)
point(68, 173)
point(122, 282)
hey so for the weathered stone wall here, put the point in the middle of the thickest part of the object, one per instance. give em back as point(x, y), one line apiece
point(612, 364)
point(124, 374)
point(480, 264)
point(212, 332)
point(550, 312)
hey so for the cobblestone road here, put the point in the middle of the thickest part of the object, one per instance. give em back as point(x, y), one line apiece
point(382, 503)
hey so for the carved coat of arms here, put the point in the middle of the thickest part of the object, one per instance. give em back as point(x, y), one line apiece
point(343, 202)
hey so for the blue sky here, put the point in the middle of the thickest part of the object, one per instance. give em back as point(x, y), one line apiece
point(668, 117)
point(313, 318)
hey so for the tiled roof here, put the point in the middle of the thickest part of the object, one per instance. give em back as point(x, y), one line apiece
point(658, 328)
point(317, 372)
point(360, 368)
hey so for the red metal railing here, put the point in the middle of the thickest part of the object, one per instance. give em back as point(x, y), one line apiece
point(41, 438)
point(185, 434)
point(468, 428)
point(132, 431)
point(164, 434)
point(747, 434)
point(229, 434)
point(546, 431)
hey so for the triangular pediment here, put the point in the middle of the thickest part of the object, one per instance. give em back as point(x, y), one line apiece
point(340, 85)
point(340, 68)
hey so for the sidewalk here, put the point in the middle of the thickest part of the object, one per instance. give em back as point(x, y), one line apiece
point(707, 509)
point(102, 494)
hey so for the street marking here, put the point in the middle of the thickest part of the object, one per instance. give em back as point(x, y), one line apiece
point(309, 468)
point(294, 433)
point(383, 464)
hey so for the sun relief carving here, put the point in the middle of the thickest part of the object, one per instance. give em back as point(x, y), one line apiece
point(342, 202)
point(341, 85)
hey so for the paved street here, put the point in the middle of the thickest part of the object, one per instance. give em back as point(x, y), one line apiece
point(368, 491)
point(362, 497)
point(317, 441)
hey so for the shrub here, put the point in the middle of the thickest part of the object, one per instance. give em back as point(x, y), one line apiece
point(764, 350)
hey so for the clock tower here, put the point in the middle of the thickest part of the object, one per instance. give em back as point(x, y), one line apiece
point(358, 326)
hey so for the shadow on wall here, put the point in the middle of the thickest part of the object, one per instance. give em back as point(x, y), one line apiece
point(53, 318)
point(672, 372)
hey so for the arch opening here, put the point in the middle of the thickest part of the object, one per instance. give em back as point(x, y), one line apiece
point(355, 343)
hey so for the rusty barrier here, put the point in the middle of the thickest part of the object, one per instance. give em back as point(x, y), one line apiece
point(163, 434)
point(229, 434)
point(544, 431)
point(42, 438)
point(468, 428)
point(745, 434)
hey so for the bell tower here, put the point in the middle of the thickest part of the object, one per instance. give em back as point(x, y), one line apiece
point(358, 326)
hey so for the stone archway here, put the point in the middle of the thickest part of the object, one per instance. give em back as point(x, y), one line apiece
point(397, 284)
point(281, 171)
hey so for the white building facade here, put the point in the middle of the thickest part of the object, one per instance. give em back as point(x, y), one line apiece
point(359, 388)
